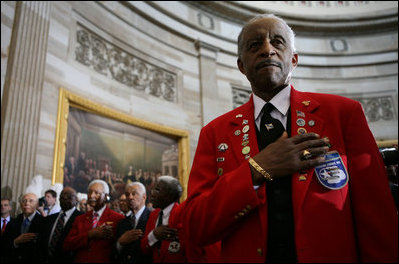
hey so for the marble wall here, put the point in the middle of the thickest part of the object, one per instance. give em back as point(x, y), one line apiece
point(170, 63)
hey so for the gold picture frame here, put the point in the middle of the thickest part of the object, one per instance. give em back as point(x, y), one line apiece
point(68, 100)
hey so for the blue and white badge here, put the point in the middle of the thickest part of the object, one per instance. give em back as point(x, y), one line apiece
point(332, 173)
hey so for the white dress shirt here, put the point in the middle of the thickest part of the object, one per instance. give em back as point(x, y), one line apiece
point(280, 101)
point(165, 221)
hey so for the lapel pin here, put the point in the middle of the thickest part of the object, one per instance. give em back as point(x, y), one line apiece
point(302, 178)
point(245, 137)
point(301, 131)
point(306, 103)
point(247, 157)
point(239, 115)
point(245, 122)
point(269, 126)
point(245, 142)
point(311, 123)
point(246, 150)
point(245, 129)
point(223, 147)
point(220, 159)
point(237, 132)
point(300, 113)
point(220, 171)
point(300, 122)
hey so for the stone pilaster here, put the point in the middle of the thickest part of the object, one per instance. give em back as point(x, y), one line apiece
point(207, 56)
point(22, 95)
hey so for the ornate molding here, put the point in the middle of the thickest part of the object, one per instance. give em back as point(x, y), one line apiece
point(240, 96)
point(378, 108)
point(375, 108)
point(117, 64)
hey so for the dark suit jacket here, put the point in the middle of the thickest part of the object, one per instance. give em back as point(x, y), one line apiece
point(27, 252)
point(59, 255)
point(131, 253)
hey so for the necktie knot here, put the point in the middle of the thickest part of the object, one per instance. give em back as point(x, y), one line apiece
point(270, 128)
point(267, 108)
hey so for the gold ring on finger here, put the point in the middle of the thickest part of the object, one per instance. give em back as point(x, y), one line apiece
point(306, 155)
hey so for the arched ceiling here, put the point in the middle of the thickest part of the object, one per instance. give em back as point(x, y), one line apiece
point(313, 17)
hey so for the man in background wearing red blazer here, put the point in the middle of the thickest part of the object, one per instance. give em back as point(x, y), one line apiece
point(92, 235)
point(289, 176)
point(161, 238)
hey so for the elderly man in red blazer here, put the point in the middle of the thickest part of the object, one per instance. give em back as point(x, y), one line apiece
point(289, 176)
point(161, 238)
point(92, 235)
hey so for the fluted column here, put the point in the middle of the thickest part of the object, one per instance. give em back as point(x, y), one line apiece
point(22, 96)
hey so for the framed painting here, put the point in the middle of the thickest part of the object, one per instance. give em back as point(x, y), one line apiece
point(96, 142)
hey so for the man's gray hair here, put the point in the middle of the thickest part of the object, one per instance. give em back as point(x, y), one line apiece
point(105, 185)
point(139, 184)
point(291, 34)
point(174, 186)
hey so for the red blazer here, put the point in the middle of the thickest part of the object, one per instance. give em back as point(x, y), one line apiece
point(98, 250)
point(162, 254)
point(357, 223)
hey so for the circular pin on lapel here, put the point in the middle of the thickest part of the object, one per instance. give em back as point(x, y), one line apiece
point(300, 122)
point(237, 132)
point(311, 123)
point(301, 131)
point(246, 150)
point(245, 129)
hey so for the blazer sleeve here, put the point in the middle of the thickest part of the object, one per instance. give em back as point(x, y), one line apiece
point(374, 211)
point(210, 194)
point(77, 236)
point(146, 249)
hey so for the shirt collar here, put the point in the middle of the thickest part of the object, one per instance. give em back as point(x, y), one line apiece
point(168, 209)
point(139, 212)
point(30, 217)
point(7, 219)
point(280, 101)
point(69, 212)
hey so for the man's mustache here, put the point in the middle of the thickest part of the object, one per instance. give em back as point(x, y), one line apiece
point(264, 63)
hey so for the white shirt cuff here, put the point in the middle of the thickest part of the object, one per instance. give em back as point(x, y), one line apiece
point(152, 239)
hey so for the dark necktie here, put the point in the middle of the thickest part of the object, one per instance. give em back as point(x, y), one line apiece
point(25, 226)
point(270, 128)
point(56, 234)
point(160, 218)
point(132, 219)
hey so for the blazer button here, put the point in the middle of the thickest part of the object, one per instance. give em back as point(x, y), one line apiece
point(259, 251)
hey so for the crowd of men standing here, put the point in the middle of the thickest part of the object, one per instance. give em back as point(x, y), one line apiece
point(99, 235)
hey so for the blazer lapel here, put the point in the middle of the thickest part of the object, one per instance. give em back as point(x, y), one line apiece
point(304, 118)
point(242, 132)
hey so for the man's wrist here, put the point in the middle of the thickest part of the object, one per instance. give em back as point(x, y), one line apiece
point(260, 170)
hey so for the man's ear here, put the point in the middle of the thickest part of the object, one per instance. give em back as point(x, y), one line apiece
point(294, 60)
point(240, 66)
